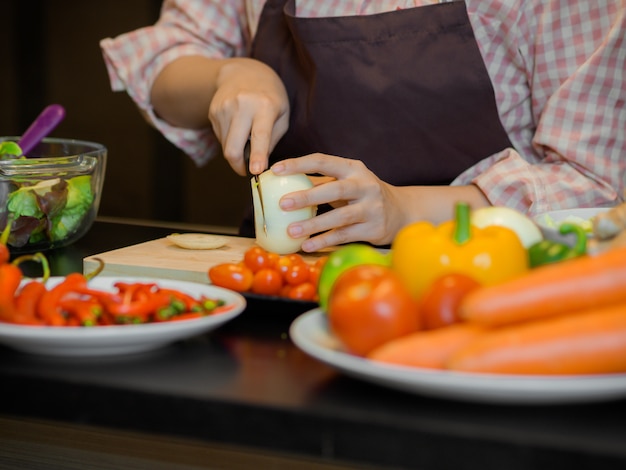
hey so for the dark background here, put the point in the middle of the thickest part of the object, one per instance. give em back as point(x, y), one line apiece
point(50, 54)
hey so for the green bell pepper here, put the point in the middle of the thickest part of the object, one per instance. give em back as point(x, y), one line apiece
point(549, 251)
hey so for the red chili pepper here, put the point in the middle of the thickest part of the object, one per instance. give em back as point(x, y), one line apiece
point(10, 279)
point(134, 302)
point(27, 301)
point(139, 309)
point(49, 308)
point(188, 302)
point(222, 309)
point(85, 310)
point(213, 305)
point(187, 316)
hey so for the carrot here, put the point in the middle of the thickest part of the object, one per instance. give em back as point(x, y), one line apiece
point(590, 342)
point(568, 286)
point(429, 348)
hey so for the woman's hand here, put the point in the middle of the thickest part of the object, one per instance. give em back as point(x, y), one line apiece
point(250, 101)
point(238, 97)
point(364, 207)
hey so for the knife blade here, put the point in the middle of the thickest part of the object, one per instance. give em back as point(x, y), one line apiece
point(246, 159)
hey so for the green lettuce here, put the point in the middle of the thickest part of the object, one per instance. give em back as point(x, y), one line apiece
point(9, 150)
point(79, 200)
point(49, 210)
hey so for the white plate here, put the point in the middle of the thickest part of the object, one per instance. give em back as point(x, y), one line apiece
point(120, 339)
point(310, 333)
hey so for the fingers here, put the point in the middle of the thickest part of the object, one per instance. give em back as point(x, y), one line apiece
point(249, 103)
point(337, 227)
point(362, 203)
point(262, 127)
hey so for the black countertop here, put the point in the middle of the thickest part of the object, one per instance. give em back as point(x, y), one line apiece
point(246, 384)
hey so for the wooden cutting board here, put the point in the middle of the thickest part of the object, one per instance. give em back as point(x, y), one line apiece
point(162, 259)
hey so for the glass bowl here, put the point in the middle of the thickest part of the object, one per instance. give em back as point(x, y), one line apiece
point(51, 197)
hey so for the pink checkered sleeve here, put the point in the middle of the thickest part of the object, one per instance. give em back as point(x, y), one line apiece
point(186, 27)
point(575, 64)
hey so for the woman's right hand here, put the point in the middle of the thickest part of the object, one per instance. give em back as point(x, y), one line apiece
point(250, 101)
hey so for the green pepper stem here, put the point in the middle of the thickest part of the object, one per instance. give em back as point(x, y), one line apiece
point(39, 258)
point(462, 229)
point(4, 236)
point(95, 272)
point(580, 245)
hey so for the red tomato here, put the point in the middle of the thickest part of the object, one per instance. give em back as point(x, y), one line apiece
point(256, 258)
point(232, 276)
point(296, 258)
point(274, 257)
point(284, 291)
point(314, 275)
point(320, 262)
point(440, 303)
point(282, 264)
point(368, 306)
point(296, 274)
point(267, 282)
point(315, 270)
point(303, 291)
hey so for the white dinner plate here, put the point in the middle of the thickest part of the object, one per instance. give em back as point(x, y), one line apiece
point(310, 333)
point(120, 339)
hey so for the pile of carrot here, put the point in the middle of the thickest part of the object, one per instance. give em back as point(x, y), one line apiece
point(564, 318)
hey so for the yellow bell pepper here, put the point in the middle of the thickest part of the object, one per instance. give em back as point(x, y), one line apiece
point(421, 252)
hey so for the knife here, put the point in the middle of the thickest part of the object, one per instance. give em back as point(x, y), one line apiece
point(246, 160)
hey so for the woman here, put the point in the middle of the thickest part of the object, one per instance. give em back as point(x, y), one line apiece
point(403, 106)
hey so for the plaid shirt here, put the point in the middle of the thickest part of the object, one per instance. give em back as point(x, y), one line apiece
point(558, 68)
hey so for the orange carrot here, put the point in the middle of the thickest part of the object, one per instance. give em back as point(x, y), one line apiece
point(430, 348)
point(568, 286)
point(590, 342)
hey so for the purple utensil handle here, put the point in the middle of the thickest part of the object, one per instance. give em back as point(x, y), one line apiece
point(49, 118)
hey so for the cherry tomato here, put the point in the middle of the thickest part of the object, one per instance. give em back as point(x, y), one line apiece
point(284, 291)
point(303, 291)
point(314, 275)
point(234, 276)
point(320, 262)
point(368, 306)
point(267, 282)
point(256, 258)
point(441, 300)
point(282, 264)
point(296, 258)
point(296, 274)
point(273, 258)
point(315, 271)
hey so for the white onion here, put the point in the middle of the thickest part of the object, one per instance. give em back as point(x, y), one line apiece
point(273, 187)
point(527, 231)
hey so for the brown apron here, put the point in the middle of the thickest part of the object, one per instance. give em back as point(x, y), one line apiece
point(406, 92)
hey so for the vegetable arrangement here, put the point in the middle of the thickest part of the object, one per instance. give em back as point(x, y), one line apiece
point(72, 302)
point(268, 273)
point(476, 301)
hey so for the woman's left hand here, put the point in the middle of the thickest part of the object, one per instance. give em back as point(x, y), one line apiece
point(364, 207)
